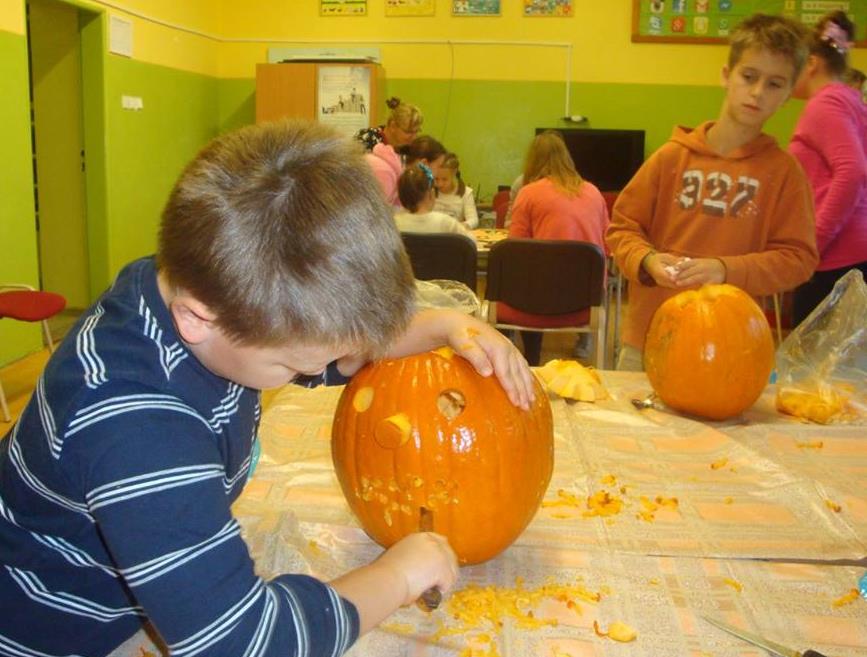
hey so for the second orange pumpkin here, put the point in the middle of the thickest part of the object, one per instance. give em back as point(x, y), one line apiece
point(709, 351)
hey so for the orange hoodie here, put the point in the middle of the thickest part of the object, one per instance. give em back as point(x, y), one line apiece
point(752, 209)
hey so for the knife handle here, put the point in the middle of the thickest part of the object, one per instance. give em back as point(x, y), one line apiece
point(811, 653)
point(432, 598)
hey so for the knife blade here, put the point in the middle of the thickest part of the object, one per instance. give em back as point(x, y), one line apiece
point(431, 598)
point(763, 643)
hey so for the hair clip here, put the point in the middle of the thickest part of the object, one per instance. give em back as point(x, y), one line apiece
point(427, 172)
point(836, 37)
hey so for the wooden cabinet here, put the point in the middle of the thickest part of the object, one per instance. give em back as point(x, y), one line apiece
point(295, 90)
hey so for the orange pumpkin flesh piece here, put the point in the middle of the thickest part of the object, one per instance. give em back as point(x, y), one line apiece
point(437, 434)
point(709, 352)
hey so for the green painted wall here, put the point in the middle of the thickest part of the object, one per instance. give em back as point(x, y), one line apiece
point(17, 227)
point(490, 124)
point(146, 150)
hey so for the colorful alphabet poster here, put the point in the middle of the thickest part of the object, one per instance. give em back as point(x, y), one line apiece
point(475, 7)
point(342, 7)
point(712, 21)
point(547, 7)
point(409, 7)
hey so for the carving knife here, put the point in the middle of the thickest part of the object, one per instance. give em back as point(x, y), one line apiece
point(431, 598)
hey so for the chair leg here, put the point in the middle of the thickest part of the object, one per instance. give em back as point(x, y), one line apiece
point(3, 406)
point(779, 320)
point(47, 333)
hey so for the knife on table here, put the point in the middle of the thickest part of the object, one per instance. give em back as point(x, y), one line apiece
point(761, 642)
point(431, 598)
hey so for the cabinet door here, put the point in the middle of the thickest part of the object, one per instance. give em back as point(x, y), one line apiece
point(285, 90)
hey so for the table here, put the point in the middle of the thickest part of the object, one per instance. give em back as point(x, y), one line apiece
point(485, 238)
point(768, 531)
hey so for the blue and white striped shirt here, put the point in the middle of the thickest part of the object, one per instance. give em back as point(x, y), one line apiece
point(115, 488)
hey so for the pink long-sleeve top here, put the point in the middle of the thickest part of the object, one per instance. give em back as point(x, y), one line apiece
point(830, 141)
point(543, 211)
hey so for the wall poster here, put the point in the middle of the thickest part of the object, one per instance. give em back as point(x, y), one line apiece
point(409, 7)
point(475, 7)
point(343, 97)
point(712, 21)
point(342, 7)
point(547, 7)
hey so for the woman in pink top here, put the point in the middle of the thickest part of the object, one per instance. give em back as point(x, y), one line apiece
point(830, 141)
point(555, 203)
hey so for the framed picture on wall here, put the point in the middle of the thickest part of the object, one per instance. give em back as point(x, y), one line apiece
point(410, 7)
point(548, 8)
point(475, 7)
point(706, 21)
point(342, 7)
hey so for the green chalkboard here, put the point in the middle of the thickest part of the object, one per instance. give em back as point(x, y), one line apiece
point(711, 21)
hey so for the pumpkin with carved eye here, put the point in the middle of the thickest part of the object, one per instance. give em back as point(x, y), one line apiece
point(709, 351)
point(427, 431)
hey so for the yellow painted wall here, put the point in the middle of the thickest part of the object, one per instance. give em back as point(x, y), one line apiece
point(227, 39)
point(599, 34)
point(12, 16)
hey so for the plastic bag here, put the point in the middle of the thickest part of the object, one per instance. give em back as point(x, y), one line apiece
point(822, 365)
point(446, 294)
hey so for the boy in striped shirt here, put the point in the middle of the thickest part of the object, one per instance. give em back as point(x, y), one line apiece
point(277, 259)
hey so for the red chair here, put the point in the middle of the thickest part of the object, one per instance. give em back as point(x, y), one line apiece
point(610, 200)
point(25, 304)
point(500, 204)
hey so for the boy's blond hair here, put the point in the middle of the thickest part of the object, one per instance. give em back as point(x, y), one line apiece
point(282, 231)
point(776, 34)
point(549, 158)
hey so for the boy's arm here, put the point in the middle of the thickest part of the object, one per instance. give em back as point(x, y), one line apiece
point(160, 497)
point(835, 136)
point(789, 255)
point(398, 577)
point(628, 237)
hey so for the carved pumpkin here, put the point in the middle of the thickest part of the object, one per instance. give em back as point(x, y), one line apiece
point(709, 351)
point(429, 431)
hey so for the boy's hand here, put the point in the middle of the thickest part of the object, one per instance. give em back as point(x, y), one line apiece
point(422, 561)
point(695, 272)
point(662, 268)
point(490, 352)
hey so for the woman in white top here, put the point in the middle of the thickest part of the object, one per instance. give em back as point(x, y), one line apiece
point(416, 190)
point(454, 197)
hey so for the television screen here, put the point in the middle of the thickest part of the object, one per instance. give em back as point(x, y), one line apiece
point(607, 158)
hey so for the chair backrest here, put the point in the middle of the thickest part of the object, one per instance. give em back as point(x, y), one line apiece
point(442, 256)
point(546, 277)
point(500, 204)
point(610, 200)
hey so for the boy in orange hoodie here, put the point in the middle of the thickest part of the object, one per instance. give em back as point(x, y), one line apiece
point(721, 203)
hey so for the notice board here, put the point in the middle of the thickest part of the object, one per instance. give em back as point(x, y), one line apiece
point(712, 21)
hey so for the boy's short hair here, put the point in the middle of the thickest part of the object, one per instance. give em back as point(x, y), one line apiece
point(414, 184)
point(776, 34)
point(282, 231)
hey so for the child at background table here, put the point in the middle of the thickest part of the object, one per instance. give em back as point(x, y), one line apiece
point(553, 203)
point(830, 142)
point(277, 258)
point(454, 197)
point(388, 163)
point(721, 203)
point(418, 196)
